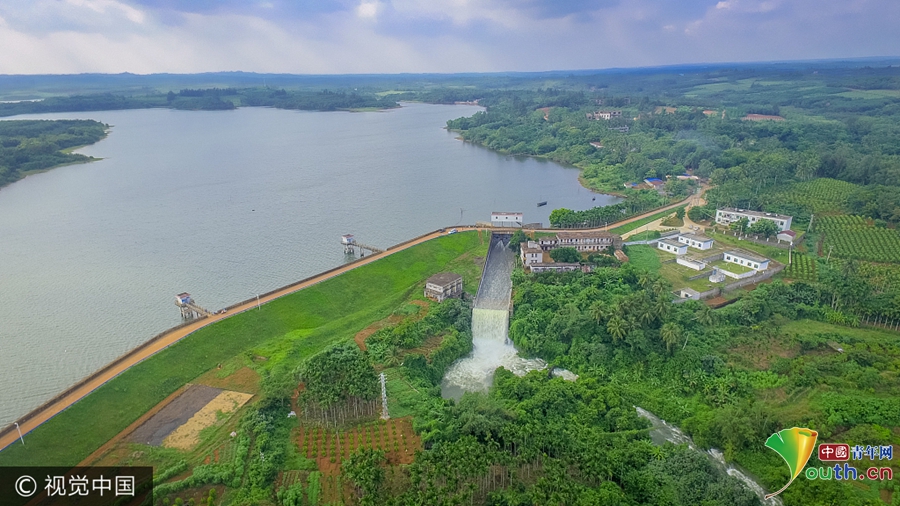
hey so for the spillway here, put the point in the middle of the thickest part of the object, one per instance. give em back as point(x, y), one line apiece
point(490, 330)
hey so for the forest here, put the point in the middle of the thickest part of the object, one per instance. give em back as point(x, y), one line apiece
point(35, 145)
point(206, 99)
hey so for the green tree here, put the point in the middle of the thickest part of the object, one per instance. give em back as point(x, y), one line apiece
point(617, 327)
point(670, 333)
point(565, 255)
point(740, 225)
point(364, 468)
point(766, 228)
point(679, 213)
point(515, 242)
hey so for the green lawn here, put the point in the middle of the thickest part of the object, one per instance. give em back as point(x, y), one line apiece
point(285, 331)
point(643, 257)
point(643, 221)
point(771, 252)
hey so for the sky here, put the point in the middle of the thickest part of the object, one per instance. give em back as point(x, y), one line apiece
point(392, 36)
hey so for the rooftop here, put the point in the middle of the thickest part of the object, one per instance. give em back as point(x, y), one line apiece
point(505, 214)
point(672, 242)
point(583, 235)
point(753, 213)
point(746, 255)
point(788, 232)
point(696, 237)
point(444, 278)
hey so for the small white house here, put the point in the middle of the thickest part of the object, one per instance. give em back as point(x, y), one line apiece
point(786, 236)
point(506, 219)
point(691, 263)
point(746, 259)
point(689, 293)
point(531, 253)
point(672, 246)
point(700, 242)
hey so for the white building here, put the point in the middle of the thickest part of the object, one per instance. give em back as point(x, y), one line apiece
point(554, 267)
point(581, 241)
point(751, 263)
point(787, 236)
point(531, 253)
point(689, 293)
point(692, 263)
point(506, 219)
point(607, 115)
point(729, 215)
point(443, 285)
point(672, 246)
point(700, 242)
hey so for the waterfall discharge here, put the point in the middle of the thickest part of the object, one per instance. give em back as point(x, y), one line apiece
point(490, 330)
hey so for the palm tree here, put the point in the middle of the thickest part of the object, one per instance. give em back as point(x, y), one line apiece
point(661, 308)
point(617, 327)
point(598, 311)
point(705, 316)
point(670, 334)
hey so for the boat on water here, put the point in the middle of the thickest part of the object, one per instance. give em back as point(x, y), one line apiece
point(544, 203)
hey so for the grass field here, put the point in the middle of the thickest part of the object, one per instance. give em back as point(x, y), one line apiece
point(643, 257)
point(288, 329)
point(643, 221)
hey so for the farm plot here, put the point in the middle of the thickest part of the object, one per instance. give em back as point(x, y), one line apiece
point(855, 238)
point(328, 447)
point(802, 268)
point(817, 196)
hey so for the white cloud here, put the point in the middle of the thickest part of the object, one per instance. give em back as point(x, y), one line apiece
point(51, 36)
point(368, 9)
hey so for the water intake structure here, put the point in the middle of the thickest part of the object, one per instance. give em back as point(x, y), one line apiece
point(490, 329)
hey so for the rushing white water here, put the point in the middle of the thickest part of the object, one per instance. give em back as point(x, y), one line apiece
point(662, 432)
point(490, 332)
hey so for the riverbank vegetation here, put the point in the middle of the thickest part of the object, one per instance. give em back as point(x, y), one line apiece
point(36, 145)
point(207, 99)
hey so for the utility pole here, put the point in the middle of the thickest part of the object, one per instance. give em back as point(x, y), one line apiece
point(20, 433)
point(258, 306)
point(790, 252)
point(811, 216)
point(829, 253)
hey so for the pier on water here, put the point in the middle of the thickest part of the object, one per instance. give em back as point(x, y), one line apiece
point(351, 246)
point(189, 309)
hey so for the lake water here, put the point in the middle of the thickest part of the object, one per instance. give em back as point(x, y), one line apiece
point(225, 205)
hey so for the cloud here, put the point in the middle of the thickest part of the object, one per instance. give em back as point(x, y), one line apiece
point(348, 36)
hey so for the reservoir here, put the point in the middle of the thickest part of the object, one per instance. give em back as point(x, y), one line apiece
point(225, 205)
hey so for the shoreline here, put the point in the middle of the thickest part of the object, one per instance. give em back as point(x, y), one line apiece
point(542, 157)
point(68, 151)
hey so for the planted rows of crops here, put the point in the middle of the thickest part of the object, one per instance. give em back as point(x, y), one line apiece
point(819, 195)
point(802, 268)
point(852, 237)
point(395, 437)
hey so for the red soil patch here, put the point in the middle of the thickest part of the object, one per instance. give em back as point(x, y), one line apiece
point(396, 437)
